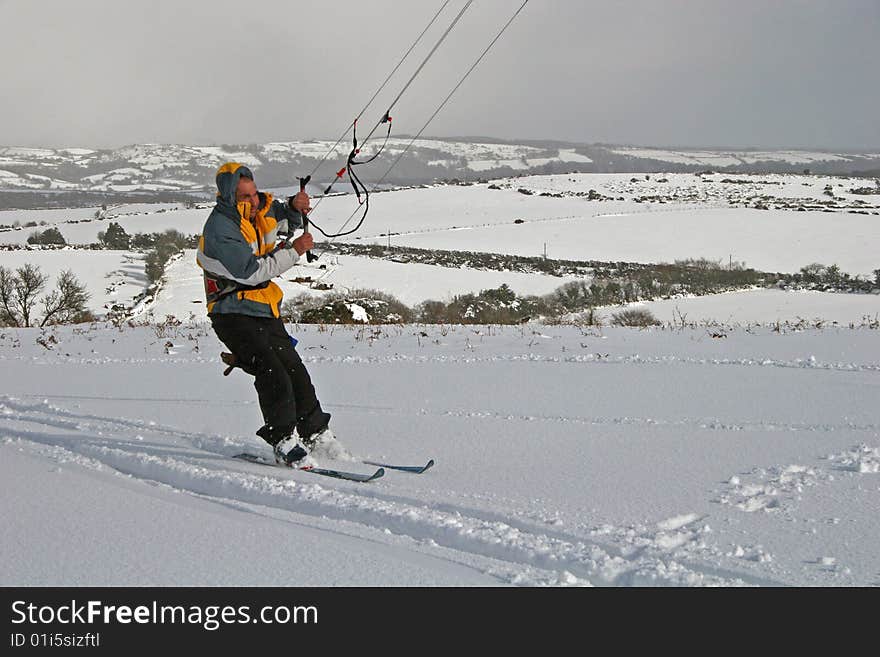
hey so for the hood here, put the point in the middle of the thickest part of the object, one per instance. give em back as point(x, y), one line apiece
point(227, 182)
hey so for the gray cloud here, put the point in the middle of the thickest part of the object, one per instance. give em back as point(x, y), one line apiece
point(100, 73)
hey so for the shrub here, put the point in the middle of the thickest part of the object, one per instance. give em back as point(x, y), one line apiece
point(165, 245)
point(699, 263)
point(493, 306)
point(634, 317)
point(354, 307)
point(115, 237)
point(48, 236)
point(573, 296)
point(432, 312)
point(143, 240)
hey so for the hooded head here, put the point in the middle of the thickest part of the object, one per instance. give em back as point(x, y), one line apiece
point(227, 183)
point(228, 178)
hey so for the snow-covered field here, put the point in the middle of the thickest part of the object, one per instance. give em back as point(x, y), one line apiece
point(725, 159)
point(411, 283)
point(766, 240)
point(563, 457)
point(765, 307)
point(80, 226)
point(638, 218)
point(691, 217)
point(728, 455)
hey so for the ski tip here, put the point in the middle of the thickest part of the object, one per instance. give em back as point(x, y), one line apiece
point(378, 473)
point(413, 469)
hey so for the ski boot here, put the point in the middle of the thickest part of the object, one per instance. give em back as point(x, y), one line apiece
point(324, 444)
point(291, 453)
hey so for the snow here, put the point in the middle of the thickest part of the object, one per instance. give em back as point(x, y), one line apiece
point(674, 157)
point(486, 165)
point(478, 219)
point(698, 221)
point(863, 459)
point(770, 240)
point(74, 510)
point(358, 313)
point(27, 152)
point(552, 467)
point(413, 283)
point(763, 307)
point(569, 155)
point(79, 226)
point(728, 158)
point(223, 155)
point(51, 217)
point(146, 167)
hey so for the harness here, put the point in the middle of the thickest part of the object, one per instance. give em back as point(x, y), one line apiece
point(217, 287)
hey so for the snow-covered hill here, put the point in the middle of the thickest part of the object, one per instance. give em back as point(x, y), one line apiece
point(160, 167)
point(733, 158)
point(154, 168)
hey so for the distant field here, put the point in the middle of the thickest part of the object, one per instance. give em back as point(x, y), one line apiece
point(607, 217)
point(764, 307)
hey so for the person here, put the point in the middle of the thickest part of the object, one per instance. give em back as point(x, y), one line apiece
point(239, 258)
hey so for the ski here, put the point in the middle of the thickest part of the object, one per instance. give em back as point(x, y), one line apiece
point(253, 458)
point(349, 476)
point(336, 474)
point(413, 469)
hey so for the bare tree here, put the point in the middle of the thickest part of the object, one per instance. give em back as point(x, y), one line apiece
point(18, 293)
point(66, 302)
point(19, 290)
point(7, 315)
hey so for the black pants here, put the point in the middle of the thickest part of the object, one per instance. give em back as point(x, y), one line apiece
point(284, 388)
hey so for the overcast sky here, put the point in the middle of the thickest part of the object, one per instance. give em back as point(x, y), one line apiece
point(743, 73)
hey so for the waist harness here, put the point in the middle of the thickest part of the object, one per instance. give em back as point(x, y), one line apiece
point(217, 287)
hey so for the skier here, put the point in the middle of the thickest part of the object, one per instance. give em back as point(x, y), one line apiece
point(239, 258)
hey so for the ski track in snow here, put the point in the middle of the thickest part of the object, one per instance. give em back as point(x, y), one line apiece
point(514, 540)
point(516, 550)
point(867, 460)
point(701, 423)
point(592, 358)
